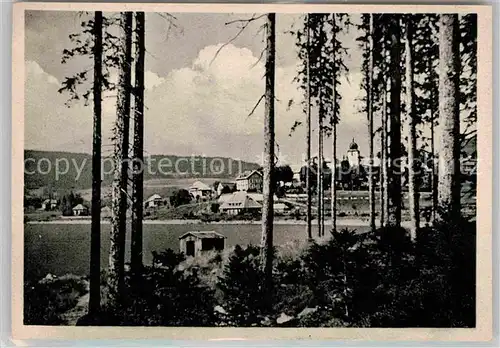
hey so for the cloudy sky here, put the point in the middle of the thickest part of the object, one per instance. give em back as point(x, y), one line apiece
point(192, 106)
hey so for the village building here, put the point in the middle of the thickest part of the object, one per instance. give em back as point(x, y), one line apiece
point(256, 197)
point(353, 154)
point(49, 204)
point(239, 202)
point(259, 197)
point(249, 181)
point(80, 210)
point(193, 243)
point(200, 191)
point(224, 197)
point(225, 187)
point(153, 202)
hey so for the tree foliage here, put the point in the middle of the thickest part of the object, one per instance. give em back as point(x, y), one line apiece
point(77, 86)
point(240, 284)
point(327, 56)
point(180, 197)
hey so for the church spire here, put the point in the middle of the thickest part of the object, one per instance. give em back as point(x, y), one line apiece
point(353, 145)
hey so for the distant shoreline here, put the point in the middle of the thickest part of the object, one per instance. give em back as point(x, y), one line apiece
point(340, 222)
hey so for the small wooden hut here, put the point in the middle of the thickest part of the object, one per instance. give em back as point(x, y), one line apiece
point(193, 243)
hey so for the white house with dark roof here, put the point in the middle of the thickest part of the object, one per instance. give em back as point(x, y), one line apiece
point(153, 201)
point(49, 204)
point(249, 181)
point(239, 202)
point(80, 210)
point(200, 190)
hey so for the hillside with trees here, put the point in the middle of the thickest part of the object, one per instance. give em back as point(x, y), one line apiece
point(230, 168)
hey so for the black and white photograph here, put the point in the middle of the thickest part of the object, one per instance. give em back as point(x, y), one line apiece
point(312, 169)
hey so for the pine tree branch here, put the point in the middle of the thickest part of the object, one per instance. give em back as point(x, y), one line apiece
point(245, 25)
point(256, 105)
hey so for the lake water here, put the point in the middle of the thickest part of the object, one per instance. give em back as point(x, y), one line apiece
point(64, 248)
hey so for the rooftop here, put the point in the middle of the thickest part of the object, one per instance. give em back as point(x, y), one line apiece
point(51, 201)
point(198, 185)
point(202, 234)
point(240, 200)
point(353, 145)
point(153, 197)
point(247, 174)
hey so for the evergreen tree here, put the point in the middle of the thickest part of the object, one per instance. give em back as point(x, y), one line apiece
point(449, 116)
point(120, 158)
point(267, 188)
point(426, 53)
point(95, 243)
point(138, 147)
point(413, 161)
point(340, 22)
point(240, 285)
point(394, 172)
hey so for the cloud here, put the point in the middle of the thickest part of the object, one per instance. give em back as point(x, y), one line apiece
point(35, 71)
point(49, 124)
point(199, 109)
point(151, 80)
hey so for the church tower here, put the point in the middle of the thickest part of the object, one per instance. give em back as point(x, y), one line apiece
point(353, 155)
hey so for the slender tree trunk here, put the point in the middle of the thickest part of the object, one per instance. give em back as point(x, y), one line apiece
point(449, 121)
point(95, 234)
point(334, 157)
point(120, 180)
point(371, 182)
point(413, 161)
point(384, 163)
point(319, 185)
point(138, 150)
point(267, 208)
point(385, 132)
point(334, 120)
point(434, 179)
point(394, 183)
point(308, 134)
point(433, 150)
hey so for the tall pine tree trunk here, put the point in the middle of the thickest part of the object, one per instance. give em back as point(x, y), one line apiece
point(433, 147)
point(394, 172)
point(334, 128)
point(371, 182)
point(120, 157)
point(267, 207)
point(449, 122)
point(413, 161)
point(334, 149)
point(138, 148)
point(95, 234)
point(334, 175)
point(434, 179)
point(384, 144)
point(308, 133)
point(319, 173)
